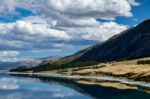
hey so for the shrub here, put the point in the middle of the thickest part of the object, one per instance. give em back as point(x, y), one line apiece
point(48, 67)
point(20, 69)
point(143, 62)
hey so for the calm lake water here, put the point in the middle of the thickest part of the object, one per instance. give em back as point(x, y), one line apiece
point(32, 87)
point(12, 87)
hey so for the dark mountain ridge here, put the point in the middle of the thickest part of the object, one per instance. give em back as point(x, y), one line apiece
point(131, 43)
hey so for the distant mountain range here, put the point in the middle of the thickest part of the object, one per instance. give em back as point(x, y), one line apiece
point(26, 62)
point(130, 44)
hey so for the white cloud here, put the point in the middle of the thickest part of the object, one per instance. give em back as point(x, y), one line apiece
point(29, 34)
point(71, 12)
point(9, 56)
point(9, 53)
point(85, 8)
point(26, 33)
point(41, 30)
point(7, 5)
point(133, 2)
point(100, 32)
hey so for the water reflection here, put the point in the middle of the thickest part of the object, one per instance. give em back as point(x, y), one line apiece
point(99, 89)
point(14, 87)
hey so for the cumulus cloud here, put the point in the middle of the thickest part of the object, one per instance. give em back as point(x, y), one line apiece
point(71, 12)
point(28, 34)
point(100, 32)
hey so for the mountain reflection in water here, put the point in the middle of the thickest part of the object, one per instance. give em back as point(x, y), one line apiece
point(98, 89)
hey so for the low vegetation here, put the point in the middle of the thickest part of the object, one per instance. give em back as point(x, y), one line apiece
point(88, 67)
point(50, 67)
point(20, 69)
point(143, 62)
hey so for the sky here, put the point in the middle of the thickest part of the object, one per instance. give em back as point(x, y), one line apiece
point(41, 28)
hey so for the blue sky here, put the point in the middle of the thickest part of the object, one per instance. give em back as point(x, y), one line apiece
point(23, 13)
point(140, 13)
point(39, 29)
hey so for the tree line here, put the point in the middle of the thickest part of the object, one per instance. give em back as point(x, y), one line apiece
point(49, 67)
point(143, 62)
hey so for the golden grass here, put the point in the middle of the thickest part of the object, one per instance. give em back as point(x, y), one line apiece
point(132, 71)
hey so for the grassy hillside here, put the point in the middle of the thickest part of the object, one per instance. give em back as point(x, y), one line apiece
point(124, 69)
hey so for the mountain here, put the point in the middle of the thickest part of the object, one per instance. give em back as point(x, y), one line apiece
point(25, 62)
point(50, 57)
point(130, 44)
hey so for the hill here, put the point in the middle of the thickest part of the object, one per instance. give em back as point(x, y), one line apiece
point(26, 62)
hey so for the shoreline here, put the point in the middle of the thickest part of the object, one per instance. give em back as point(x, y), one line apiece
point(100, 77)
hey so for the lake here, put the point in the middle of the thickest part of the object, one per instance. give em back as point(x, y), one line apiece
point(36, 87)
